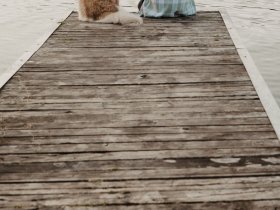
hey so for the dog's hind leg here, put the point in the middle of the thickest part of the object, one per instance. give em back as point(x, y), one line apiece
point(83, 16)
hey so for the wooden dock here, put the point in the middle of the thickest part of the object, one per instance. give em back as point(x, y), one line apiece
point(160, 116)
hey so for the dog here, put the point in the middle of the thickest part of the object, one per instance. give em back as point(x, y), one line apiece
point(106, 11)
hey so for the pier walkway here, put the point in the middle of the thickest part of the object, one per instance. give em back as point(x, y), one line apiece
point(160, 116)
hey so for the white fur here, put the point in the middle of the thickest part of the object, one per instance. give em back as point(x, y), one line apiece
point(85, 19)
point(121, 17)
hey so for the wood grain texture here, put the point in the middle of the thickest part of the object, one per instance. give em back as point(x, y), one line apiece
point(162, 116)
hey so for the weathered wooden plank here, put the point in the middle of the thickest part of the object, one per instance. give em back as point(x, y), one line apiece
point(148, 197)
point(176, 60)
point(137, 110)
point(229, 137)
point(162, 52)
point(219, 33)
point(233, 205)
point(120, 91)
point(172, 43)
point(134, 130)
point(90, 79)
point(117, 121)
point(151, 196)
point(163, 39)
point(136, 185)
point(267, 165)
point(129, 107)
point(134, 155)
point(71, 80)
point(147, 164)
point(121, 95)
point(56, 100)
point(199, 32)
point(183, 25)
point(141, 116)
point(130, 69)
point(135, 146)
point(219, 171)
point(148, 24)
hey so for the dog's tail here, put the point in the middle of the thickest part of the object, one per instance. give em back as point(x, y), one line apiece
point(122, 17)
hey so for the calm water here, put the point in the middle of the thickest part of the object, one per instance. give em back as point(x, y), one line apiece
point(257, 21)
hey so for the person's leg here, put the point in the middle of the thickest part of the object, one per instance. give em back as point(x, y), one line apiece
point(140, 4)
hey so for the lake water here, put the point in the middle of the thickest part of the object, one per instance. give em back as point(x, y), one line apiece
point(22, 22)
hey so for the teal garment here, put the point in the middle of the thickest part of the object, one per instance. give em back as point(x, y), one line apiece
point(167, 8)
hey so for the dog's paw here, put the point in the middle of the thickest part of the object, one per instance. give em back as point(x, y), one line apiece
point(85, 19)
point(133, 21)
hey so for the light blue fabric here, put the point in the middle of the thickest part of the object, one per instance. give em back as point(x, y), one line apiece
point(167, 8)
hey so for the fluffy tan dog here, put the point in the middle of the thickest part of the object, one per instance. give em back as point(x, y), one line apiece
point(106, 11)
